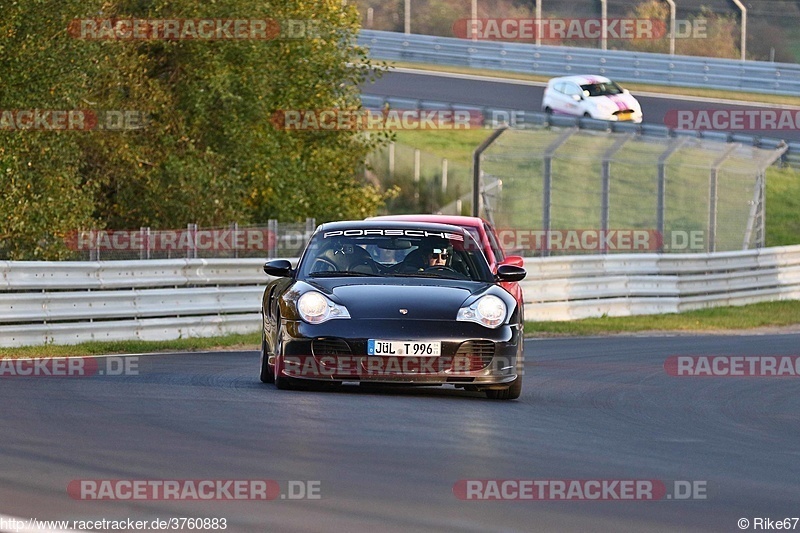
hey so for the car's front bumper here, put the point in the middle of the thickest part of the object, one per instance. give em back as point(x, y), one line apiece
point(620, 116)
point(472, 356)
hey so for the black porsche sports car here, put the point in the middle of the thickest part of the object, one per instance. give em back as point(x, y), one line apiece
point(383, 302)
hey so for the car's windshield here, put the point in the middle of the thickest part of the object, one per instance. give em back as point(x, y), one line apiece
point(602, 89)
point(390, 252)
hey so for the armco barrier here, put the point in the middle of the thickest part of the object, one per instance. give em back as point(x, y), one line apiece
point(662, 69)
point(567, 288)
point(72, 302)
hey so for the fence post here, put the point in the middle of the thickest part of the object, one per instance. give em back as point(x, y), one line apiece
point(547, 186)
point(235, 240)
point(661, 207)
point(391, 160)
point(713, 197)
point(417, 154)
point(761, 236)
point(755, 220)
point(191, 251)
point(606, 185)
point(603, 24)
point(94, 248)
point(272, 227)
point(144, 251)
point(476, 169)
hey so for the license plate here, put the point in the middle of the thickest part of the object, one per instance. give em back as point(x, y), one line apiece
point(625, 116)
point(403, 348)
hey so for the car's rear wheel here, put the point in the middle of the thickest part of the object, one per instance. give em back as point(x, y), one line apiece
point(587, 115)
point(548, 110)
point(266, 372)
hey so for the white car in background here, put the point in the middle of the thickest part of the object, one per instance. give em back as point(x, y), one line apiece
point(590, 96)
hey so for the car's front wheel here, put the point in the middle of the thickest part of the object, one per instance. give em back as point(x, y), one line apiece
point(266, 372)
point(511, 393)
point(514, 390)
point(282, 382)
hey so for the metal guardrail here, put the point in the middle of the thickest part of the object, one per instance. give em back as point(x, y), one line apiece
point(567, 288)
point(662, 69)
point(100, 275)
point(73, 302)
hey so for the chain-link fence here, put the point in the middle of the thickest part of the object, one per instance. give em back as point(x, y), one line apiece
point(564, 190)
point(192, 242)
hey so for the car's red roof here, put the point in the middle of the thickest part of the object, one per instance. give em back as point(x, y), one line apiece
point(456, 220)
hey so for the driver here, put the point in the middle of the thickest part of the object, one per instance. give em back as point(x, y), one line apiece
point(438, 257)
point(431, 254)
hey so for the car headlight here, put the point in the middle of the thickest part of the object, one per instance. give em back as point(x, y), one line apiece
point(315, 308)
point(489, 311)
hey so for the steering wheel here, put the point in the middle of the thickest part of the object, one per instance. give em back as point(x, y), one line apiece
point(329, 265)
point(440, 268)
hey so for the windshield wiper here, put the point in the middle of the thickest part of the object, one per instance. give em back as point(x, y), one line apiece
point(335, 273)
point(434, 275)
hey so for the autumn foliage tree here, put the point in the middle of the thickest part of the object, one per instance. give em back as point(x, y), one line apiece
point(708, 34)
point(208, 151)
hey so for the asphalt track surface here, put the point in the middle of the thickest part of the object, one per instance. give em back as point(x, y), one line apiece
point(592, 408)
point(527, 96)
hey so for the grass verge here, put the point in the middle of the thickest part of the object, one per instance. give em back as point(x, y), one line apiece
point(768, 314)
point(783, 205)
point(249, 341)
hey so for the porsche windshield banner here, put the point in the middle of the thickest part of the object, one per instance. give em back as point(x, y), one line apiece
point(378, 232)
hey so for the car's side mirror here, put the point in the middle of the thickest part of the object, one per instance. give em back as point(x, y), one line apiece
point(510, 273)
point(513, 260)
point(280, 268)
point(625, 91)
point(577, 97)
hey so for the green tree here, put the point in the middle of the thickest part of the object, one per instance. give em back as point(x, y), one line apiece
point(208, 153)
point(43, 195)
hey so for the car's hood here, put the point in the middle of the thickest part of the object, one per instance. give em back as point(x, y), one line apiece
point(620, 101)
point(378, 299)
